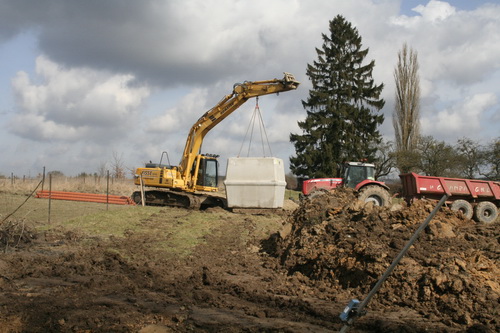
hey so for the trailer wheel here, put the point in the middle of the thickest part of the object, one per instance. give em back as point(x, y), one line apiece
point(463, 207)
point(486, 212)
point(376, 194)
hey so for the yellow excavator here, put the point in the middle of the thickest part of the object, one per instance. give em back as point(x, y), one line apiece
point(192, 184)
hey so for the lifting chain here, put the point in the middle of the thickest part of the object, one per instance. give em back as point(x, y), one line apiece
point(256, 118)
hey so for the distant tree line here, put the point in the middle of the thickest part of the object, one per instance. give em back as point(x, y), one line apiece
point(467, 158)
point(116, 169)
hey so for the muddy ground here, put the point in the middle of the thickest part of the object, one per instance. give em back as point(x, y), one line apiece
point(328, 251)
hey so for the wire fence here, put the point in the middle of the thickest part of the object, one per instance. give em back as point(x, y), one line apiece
point(18, 200)
point(87, 184)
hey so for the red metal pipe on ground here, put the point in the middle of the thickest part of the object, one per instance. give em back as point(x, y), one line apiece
point(85, 197)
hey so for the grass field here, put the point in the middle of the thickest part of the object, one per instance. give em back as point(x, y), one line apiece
point(168, 229)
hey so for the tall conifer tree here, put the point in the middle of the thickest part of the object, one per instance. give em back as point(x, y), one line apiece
point(342, 108)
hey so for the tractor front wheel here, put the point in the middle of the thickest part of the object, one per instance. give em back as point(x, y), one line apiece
point(376, 194)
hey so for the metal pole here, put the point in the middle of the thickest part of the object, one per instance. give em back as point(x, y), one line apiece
point(107, 191)
point(50, 195)
point(395, 262)
point(43, 178)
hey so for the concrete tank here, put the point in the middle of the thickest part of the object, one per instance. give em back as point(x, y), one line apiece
point(255, 182)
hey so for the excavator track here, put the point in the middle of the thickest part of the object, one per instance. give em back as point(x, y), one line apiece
point(178, 199)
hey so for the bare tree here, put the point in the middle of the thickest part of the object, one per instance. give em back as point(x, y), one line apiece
point(117, 166)
point(406, 116)
point(384, 159)
point(470, 157)
point(101, 171)
point(491, 160)
point(437, 158)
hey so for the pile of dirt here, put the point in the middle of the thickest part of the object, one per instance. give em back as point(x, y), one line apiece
point(343, 247)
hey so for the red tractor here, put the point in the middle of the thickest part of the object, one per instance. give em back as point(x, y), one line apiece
point(357, 175)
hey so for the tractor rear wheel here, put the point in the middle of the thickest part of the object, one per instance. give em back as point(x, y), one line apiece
point(486, 212)
point(463, 207)
point(376, 194)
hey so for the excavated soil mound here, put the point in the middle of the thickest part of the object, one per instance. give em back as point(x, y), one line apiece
point(450, 274)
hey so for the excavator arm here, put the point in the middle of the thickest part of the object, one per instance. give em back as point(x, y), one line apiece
point(241, 93)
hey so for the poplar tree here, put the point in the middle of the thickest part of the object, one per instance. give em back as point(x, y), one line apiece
point(406, 116)
point(342, 108)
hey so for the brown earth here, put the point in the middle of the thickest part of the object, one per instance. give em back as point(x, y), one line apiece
point(331, 249)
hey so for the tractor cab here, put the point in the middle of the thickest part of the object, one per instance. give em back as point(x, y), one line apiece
point(354, 173)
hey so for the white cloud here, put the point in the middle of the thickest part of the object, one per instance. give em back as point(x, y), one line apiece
point(74, 104)
point(460, 46)
point(164, 123)
point(435, 11)
point(432, 13)
point(185, 113)
point(465, 119)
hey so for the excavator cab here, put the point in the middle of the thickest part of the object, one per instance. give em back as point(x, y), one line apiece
point(355, 172)
point(207, 177)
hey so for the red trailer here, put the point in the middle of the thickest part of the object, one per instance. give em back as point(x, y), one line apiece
point(478, 198)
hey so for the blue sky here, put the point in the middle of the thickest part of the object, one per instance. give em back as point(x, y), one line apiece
point(84, 81)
